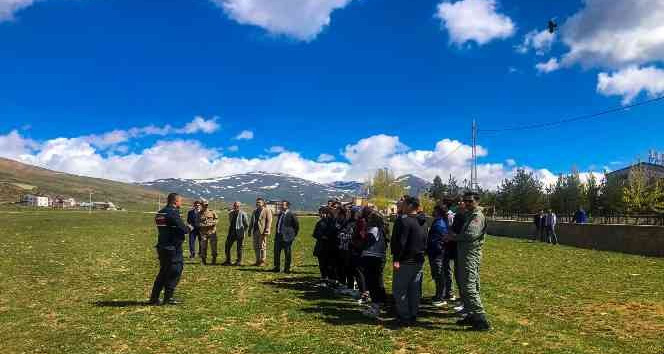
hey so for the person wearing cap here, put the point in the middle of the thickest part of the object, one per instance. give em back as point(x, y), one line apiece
point(469, 255)
point(208, 233)
point(193, 217)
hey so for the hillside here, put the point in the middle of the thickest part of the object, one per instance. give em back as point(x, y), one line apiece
point(303, 194)
point(414, 185)
point(17, 179)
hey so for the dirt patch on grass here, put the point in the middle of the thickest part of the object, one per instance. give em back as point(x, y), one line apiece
point(628, 320)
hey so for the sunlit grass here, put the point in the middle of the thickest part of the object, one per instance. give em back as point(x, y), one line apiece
point(74, 283)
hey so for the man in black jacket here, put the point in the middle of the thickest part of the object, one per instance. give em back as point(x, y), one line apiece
point(193, 217)
point(287, 229)
point(408, 249)
point(171, 230)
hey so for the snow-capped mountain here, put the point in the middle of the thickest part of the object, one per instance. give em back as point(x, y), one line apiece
point(414, 185)
point(302, 193)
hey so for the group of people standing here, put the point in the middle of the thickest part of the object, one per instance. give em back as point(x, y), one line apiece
point(351, 248)
point(203, 224)
point(545, 226)
point(352, 244)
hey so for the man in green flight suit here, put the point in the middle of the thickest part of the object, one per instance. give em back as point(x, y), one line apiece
point(469, 256)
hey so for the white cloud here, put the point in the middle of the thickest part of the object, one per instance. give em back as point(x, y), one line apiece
point(245, 135)
point(79, 156)
point(200, 125)
point(630, 82)
point(510, 162)
point(113, 138)
point(10, 7)
point(299, 19)
point(325, 158)
point(615, 34)
point(13, 145)
point(474, 21)
point(550, 66)
point(276, 149)
point(233, 148)
point(540, 42)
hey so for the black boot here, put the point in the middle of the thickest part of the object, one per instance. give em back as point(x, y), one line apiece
point(466, 321)
point(214, 260)
point(203, 261)
point(480, 323)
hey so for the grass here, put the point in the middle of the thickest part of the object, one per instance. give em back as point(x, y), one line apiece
point(75, 283)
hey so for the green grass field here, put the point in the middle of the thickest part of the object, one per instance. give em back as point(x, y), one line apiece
point(75, 283)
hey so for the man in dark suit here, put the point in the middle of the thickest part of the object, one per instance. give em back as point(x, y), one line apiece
point(287, 229)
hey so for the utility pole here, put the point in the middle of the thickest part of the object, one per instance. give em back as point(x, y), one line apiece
point(474, 184)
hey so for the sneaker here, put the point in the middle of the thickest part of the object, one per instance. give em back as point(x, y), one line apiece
point(458, 309)
point(372, 311)
point(172, 301)
point(439, 303)
point(227, 263)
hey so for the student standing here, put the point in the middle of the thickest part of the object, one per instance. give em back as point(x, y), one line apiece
point(441, 272)
point(409, 246)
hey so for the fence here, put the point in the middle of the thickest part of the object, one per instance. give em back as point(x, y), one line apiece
point(602, 219)
point(641, 240)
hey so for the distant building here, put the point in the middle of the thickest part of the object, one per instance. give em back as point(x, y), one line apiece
point(274, 206)
point(63, 202)
point(36, 200)
point(104, 206)
point(653, 171)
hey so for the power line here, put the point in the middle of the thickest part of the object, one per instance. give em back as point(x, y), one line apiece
point(575, 119)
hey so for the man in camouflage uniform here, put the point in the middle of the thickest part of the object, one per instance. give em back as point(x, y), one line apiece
point(208, 233)
point(469, 256)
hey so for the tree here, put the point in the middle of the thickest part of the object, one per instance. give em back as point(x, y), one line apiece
point(657, 197)
point(636, 194)
point(611, 196)
point(384, 184)
point(438, 190)
point(592, 194)
point(427, 203)
point(385, 189)
point(522, 194)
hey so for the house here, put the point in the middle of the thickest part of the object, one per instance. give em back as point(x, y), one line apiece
point(64, 203)
point(36, 200)
point(653, 171)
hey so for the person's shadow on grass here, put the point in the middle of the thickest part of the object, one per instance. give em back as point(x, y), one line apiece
point(121, 303)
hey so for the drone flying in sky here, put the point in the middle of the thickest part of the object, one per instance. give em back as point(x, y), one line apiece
point(553, 26)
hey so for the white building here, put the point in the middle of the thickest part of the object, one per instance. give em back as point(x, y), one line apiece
point(36, 200)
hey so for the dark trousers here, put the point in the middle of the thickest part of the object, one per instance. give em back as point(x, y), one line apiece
point(551, 235)
point(171, 264)
point(358, 271)
point(373, 267)
point(279, 245)
point(192, 242)
point(230, 240)
point(331, 254)
point(345, 269)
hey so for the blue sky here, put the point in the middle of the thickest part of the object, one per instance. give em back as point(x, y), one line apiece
point(372, 83)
